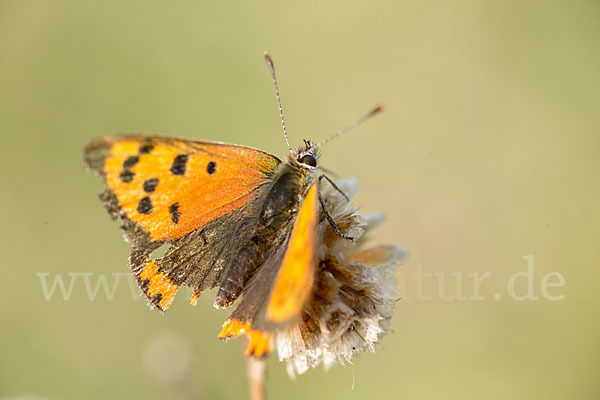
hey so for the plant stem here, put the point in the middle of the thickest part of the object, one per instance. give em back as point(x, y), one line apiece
point(256, 377)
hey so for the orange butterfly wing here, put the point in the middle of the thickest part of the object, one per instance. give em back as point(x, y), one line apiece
point(170, 187)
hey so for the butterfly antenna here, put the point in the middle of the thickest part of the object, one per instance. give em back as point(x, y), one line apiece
point(272, 69)
point(345, 129)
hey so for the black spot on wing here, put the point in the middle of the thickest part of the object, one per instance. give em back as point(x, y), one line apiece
point(130, 162)
point(126, 176)
point(145, 206)
point(146, 148)
point(150, 185)
point(179, 163)
point(175, 214)
point(145, 284)
point(211, 167)
point(155, 300)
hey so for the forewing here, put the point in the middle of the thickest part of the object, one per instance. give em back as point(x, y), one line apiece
point(163, 188)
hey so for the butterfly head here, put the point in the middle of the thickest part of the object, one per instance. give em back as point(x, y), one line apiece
point(305, 157)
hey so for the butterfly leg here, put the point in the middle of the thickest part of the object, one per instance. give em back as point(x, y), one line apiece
point(331, 221)
point(332, 183)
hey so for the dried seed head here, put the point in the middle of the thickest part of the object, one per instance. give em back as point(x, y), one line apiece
point(354, 293)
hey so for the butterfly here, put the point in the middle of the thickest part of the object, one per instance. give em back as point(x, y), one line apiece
point(234, 217)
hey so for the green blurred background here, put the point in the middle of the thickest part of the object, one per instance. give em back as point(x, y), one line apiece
point(488, 153)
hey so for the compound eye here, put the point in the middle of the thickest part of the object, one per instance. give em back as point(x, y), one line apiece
point(308, 160)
